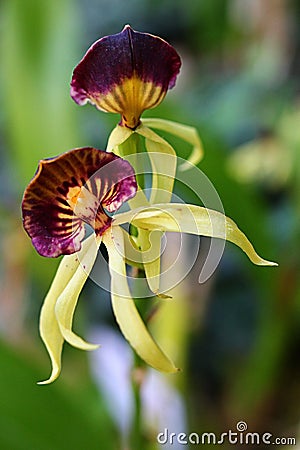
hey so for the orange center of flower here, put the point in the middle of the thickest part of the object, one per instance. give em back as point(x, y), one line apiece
point(73, 194)
point(81, 200)
point(85, 205)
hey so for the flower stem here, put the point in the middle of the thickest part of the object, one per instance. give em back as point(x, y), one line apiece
point(137, 377)
point(132, 146)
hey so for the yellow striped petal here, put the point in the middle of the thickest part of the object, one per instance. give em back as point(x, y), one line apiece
point(69, 190)
point(126, 73)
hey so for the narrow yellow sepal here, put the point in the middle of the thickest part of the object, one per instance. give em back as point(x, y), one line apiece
point(127, 316)
point(150, 244)
point(163, 161)
point(185, 132)
point(67, 301)
point(132, 254)
point(118, 135)
point(191, 219)
point(49, 329)
point(144, 251)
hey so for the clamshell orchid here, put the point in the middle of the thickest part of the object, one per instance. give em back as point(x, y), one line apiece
point(76, 188)
point(70, 190)
point(127, 73)
point(124, 73)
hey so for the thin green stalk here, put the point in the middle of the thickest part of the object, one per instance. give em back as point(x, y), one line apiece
point(137, 377)
point(132, 147)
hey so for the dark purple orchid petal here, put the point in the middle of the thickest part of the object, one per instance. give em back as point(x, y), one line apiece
point(126, 73)
point(70, 189)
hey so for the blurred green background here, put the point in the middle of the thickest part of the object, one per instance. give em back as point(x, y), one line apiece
point(238, 336)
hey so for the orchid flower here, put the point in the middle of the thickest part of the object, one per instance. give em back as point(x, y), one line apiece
point(76, 188)
point(125, 73)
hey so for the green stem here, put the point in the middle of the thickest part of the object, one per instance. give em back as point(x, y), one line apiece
point(132, 146)
point(137, 434)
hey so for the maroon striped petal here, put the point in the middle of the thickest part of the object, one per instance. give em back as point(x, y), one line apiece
point(126, 73)
point(69, 190)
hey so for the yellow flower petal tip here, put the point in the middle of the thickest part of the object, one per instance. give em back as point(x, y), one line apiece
point(41, 383)
point(163, 296)
point(174, 370)
point(77, 341)
point(264, 262)
point(126, 313)
point(53, 377)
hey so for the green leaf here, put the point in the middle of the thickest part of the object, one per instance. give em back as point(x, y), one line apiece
point(57, 417)
point(38, 49)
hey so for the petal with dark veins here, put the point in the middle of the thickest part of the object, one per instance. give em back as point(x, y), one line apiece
point(126, 73)
point(70, 190)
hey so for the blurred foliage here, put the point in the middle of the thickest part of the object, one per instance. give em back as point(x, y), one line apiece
point(37, 56)
point(59, 417)
point(239, 83)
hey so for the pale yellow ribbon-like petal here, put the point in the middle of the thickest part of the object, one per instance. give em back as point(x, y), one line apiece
point(148, 246)
point(117, 137)
point(194, 220)
point(49, 328)
point(163, 161)
point(148, 258)
point(127, 316)
point(162, 157)
point(120, 143)
point(67, 301)
point(185, 132)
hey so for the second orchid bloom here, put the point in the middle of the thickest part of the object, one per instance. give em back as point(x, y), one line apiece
point(125, 73)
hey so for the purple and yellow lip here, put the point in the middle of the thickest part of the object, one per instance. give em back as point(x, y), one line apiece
point(126, 73)
point(70, 190)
